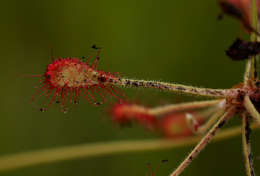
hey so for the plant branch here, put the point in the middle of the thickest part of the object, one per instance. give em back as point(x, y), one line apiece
point(251, 72)
point(247, 72)
point(251, 69)
point(32, 158)
point(183, 106)
point(251, 109)
point(178, 88)
point(246, 130)
point(203, 143)
point(202, 129)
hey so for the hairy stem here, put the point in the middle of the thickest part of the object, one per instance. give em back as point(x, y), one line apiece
point(251, 109)
point(246, 130)
point(253, 71)
point(178, 88)
point(202, 129)
point(183, 106)
point(203, 143)
point(247, 72)
point(32, 158)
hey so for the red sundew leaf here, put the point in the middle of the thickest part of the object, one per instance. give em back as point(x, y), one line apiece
point(67, 79)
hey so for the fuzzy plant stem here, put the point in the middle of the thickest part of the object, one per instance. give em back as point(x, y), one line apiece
point(246, 131)
point(251, 73)
point(247, 72)
point(251, 109)
point(178, 88)
point(203, 129)
point(203, 142)
point(183, 106)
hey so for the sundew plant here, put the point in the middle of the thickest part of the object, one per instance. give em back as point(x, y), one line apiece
point(67, 81)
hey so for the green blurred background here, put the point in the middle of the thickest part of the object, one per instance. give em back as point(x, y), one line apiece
point(178, 41)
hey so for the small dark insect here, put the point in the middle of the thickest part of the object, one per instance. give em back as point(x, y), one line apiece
point(241, 50)
point(165, 161)
point(220, 16)
point(95, 47)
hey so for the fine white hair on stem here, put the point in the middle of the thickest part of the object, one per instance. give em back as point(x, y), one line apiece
point(178, 88)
